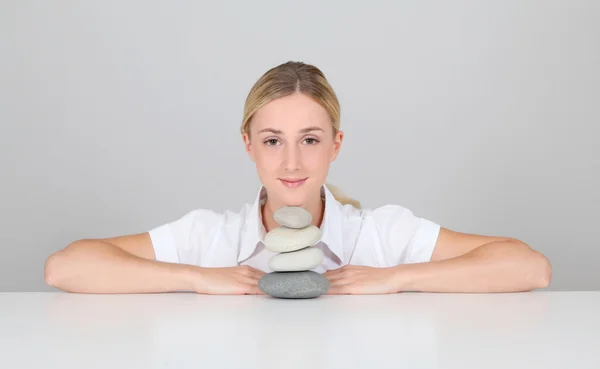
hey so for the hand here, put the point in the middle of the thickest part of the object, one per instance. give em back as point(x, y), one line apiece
point(357, 280)
point(237, 280)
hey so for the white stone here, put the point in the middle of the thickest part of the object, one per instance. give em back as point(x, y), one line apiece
point(293, 217)
point(283, 239)
point(296, 261)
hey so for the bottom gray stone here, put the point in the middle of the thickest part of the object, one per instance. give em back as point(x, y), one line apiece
point(294, 285)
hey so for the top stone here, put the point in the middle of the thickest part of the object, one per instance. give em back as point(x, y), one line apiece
point(293, 217)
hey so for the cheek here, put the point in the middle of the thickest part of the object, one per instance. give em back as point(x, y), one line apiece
point(317, 159)
point(266, 159)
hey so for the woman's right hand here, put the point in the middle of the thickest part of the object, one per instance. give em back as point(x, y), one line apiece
point(236, 280)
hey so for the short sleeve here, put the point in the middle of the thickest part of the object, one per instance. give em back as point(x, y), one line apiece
point(182, 241)
point(404, 237)
point(423, 242)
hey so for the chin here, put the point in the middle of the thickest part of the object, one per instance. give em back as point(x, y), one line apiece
point(292, 196)
point(293, 200)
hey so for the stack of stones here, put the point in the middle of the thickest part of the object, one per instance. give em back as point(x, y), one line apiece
point(294, 242)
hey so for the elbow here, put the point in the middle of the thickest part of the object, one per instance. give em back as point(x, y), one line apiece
point(543, 269)
point(50, 270)
point(537, 267)
point(54, 267)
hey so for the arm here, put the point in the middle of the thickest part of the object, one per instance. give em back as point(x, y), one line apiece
point(127, 264)
point(119, 265)
point(461, 263)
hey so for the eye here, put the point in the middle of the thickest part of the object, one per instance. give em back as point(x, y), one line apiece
point(271, 141)
point(314, 140)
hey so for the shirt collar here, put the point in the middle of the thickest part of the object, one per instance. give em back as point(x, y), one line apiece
point(254, 230)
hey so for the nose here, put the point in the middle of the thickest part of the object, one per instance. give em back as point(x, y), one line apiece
point(291, 158)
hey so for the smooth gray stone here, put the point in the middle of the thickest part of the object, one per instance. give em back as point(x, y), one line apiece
point(283, 239)
point(294, 285)
point(296, 261)
point(293, 217)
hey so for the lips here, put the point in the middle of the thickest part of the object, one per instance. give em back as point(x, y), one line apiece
point(293, 183)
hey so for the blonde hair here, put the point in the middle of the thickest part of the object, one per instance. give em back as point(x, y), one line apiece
point(287, 79)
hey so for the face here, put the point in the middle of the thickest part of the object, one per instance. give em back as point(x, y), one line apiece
point(292, 145)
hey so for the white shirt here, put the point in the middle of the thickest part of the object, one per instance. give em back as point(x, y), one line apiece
point(382, 237)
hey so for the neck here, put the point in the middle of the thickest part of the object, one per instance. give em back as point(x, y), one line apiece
point(316, 207)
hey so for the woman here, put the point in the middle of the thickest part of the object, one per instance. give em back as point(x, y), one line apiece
point(291, 131)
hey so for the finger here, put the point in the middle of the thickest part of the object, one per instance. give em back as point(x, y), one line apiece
point(247, 269)
point(338, 290)
point(254, 290)
point(249, 280)
point(255, 272)
point(348, 276)
point(332, 272)
point(342, 281)
point(250, 272)
point(335, 277)
point(259, 273)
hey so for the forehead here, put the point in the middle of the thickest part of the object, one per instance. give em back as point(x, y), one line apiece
point(291, 112)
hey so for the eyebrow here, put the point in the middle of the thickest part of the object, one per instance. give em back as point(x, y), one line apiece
point(303, 130)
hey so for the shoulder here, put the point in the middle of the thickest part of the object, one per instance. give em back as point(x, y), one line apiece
point(187, 237)
point(395, 232)
point(389, 214)
point(203, 223)
point(393, 223)
point(202, 218)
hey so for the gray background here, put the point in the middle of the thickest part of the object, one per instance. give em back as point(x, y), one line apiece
point(119, 116)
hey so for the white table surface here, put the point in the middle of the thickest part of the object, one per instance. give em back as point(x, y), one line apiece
point(538, 329)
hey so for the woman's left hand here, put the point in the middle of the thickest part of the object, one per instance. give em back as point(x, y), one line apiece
point(361, 280)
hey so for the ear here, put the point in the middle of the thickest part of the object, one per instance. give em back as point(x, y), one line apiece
point(337, 145)
point(248, 145)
